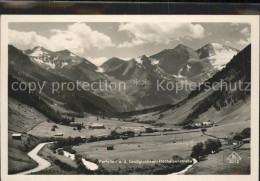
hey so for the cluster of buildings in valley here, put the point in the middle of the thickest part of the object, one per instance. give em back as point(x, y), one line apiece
point(204, 124)
point(91, 126)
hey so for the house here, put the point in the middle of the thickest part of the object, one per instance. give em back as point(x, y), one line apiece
point(84, 138)
point(149, 130)
point(97, 126)
point(110, 147)
point(59, 134)
point(125, 137)
point(75, 124)
point(198, 124)
point(207, 123)
point(17, 136)
point(246, 140)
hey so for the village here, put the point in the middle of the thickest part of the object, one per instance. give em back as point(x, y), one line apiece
point(99, 129)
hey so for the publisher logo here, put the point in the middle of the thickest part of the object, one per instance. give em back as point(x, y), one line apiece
point(234, 158)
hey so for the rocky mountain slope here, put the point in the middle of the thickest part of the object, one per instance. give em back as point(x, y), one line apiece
point(22, 69)
point(227, 103)
point(141, 75)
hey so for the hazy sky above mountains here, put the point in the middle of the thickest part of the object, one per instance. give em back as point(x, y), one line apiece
point(101, 41)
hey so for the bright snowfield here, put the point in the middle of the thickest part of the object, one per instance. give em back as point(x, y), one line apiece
point(63, 64)
point(222, 56)
point(42, 163)
point(42, 57)
point(154, 61)
point(138, 60)
point(38, 52)
point(100, 70)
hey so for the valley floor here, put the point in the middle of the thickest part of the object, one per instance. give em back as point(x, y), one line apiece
point(154, 148)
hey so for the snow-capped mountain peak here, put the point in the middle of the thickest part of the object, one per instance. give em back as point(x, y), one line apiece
point(219, 55)
point(53, 60)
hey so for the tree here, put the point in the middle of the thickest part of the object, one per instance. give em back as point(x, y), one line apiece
point(60, 152)
point(73, 119)
point(246, 133)
point(197, 151)
point(55, 126)
point(212, 146)
point(79, 127)
point(237, 137)
point(203, 130)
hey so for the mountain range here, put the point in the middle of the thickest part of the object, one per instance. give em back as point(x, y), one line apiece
point(181, 64)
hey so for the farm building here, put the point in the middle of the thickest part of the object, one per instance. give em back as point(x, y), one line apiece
point(207, 123)
point(246, 140)
point(198, 124)
point(76, 123)
point(125, 137)
point(149, 130)
point(97, 126)
point(59, 134)
point(84, 138)
point(17, 136)
point(110, 147)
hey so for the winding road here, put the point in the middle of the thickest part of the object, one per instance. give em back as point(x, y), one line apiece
point(42, 163)
point(186, 169)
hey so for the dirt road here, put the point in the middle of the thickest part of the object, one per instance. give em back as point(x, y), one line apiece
point(42, 163)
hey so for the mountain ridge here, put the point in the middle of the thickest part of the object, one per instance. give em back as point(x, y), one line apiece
point(181, 64)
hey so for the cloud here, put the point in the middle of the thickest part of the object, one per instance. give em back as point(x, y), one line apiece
point(26, 39)
point(244, 42)
point(132, 43)
point(159, 33)
point(245, 31)
point(78, 38)
point(227, 42)
point(98, 61)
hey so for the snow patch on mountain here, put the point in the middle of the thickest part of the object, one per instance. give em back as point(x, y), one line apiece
point(63, 64)
point(100, 70)
point(41, 62)
point(72, 55)
point(188, 68)
point(154, 61)
point(37, 53)
point(129, 66)
point(74, 61)
point(222, 56)
point(139, 60)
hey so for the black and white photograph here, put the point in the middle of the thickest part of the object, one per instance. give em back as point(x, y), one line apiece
point(134, 95)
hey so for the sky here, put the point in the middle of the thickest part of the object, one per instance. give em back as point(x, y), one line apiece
point(103, 40)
